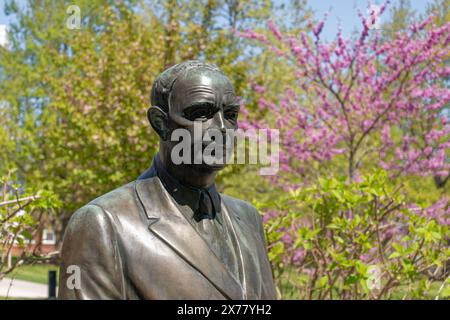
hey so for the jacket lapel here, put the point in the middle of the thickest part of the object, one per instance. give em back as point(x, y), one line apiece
point(169, 224)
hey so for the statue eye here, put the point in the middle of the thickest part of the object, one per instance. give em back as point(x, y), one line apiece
point(231, 114)
point(200, 112)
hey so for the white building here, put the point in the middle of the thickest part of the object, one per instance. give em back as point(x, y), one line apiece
point(3, 35)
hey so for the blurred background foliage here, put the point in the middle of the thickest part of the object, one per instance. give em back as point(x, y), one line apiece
point(73, 102)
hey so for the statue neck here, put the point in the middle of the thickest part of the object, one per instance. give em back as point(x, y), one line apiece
point(197, 176)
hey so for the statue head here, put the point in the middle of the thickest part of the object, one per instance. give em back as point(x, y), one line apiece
point(199, 99)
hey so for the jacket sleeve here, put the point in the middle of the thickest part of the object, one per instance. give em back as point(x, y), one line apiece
point(259, 226)
point(269, 290)
point(91, 266)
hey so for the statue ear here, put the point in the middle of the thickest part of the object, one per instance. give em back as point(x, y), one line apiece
point(159, 121)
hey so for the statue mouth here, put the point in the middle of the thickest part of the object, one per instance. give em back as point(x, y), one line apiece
point(216, 154)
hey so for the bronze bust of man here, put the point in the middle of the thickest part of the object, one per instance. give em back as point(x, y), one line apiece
point(170, 234)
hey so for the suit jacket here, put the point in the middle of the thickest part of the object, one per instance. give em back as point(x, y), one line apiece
point(134, 243)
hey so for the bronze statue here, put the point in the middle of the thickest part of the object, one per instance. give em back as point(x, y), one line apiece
point(170, 234)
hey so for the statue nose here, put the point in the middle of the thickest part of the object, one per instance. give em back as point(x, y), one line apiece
point(219, 119)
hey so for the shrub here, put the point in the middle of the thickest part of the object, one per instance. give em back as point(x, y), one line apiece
point(357, 240)
point(21, 215)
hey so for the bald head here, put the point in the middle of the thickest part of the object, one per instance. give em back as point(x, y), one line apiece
point(164, 84)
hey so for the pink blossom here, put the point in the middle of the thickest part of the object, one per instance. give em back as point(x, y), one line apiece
point(361, 88)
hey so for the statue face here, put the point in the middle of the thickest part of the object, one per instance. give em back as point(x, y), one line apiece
point(207, 99)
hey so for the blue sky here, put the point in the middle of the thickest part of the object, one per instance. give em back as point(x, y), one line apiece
point(343, 10)
point(3, 18)
point(346, 12)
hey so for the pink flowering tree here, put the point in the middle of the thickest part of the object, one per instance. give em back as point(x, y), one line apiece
point(385, 103)
point(371, 104)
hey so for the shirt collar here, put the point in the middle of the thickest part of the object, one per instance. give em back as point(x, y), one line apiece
point(185, 195)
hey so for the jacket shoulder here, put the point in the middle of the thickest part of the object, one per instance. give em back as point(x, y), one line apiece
point(116, 204)
point(115, 197)
point(238, 203)
point(244, 210)
point(240, 207)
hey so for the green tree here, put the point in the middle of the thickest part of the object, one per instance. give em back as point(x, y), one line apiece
point(74, 100)
point(22, 212)
point(401, 16)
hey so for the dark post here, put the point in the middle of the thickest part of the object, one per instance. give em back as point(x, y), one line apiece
point(52, 285)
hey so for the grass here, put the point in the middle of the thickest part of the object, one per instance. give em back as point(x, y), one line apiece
point(37, 273)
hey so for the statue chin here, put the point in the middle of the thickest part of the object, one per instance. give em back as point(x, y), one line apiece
point(218, 162)
point(216, 167)
point(205, 167)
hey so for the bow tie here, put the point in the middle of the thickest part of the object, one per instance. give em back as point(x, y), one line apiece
point(205, 207)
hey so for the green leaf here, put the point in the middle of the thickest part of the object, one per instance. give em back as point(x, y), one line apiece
point(445, 293)
point(351, 279)
point(394, 255)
